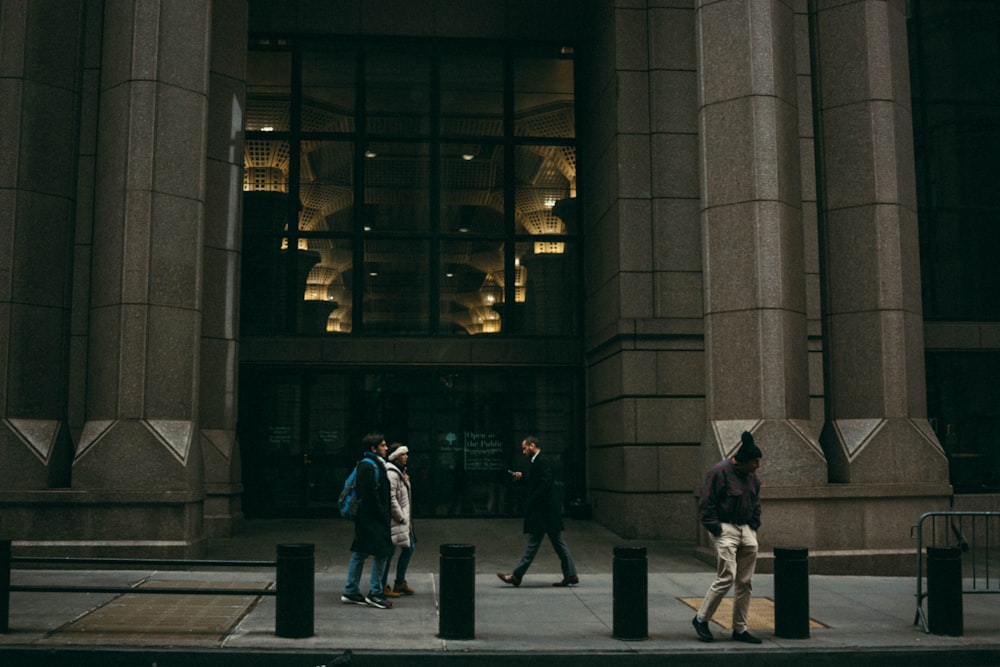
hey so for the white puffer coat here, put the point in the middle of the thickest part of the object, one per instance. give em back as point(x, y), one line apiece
point(399, 505)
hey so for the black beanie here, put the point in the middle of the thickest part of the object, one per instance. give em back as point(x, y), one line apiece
point(749, 450)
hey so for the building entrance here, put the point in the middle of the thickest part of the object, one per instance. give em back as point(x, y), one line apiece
point(300, 434)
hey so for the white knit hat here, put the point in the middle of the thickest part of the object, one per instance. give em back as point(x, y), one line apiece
point(399, 451)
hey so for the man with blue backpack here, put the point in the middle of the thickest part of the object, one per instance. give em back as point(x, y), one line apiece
point(371, 525)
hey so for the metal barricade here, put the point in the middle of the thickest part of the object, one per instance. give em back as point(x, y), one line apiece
point(976, 535)
point(294, 571)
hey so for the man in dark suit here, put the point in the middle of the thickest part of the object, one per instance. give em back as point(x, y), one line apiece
point(542, 516)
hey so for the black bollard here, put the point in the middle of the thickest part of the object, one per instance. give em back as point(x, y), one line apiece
point(630, 593)
point(295, 606)
point(944, 591)
point(791, 592)
point(457, 611)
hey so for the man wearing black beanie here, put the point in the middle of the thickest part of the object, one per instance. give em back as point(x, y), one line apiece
point(729, 505)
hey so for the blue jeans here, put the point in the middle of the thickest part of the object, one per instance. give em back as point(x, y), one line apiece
point(402, 564)
point(354, 569)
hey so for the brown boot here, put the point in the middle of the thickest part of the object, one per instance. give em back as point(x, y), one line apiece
point(389, 593)
point(403, 588)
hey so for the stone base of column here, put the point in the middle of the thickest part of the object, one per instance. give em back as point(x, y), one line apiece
point(141, 455)
point(223, 488)
point(792, 455)
point(848, 528)
point(36, 454)
point(874, 451)
point(94, 524)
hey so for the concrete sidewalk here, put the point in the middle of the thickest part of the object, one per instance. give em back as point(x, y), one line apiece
point(866, 620)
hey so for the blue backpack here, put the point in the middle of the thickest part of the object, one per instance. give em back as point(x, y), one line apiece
point(348, 501)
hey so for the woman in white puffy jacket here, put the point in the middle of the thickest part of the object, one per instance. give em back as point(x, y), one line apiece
point(402, 529)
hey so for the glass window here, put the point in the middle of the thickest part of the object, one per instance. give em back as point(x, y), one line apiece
point(396, 277)
point(954, 60)
point(398, 94)
point(550, 295)
point(300, 435)
point(472, 95)
point(472, 188)
point(326, 186)
point(397, 187)
point(268, 90)
point(419, 135)
point(327, 274)
point(964, 407)
point(469, 292)
point(328, 91)
point(543, 97)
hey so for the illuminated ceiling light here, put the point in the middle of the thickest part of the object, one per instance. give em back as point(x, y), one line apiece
point(550, 202)
point(468, 156)
point(370, 154)
point(267, 128)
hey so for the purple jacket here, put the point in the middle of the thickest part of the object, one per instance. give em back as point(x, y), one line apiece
point(728, 496)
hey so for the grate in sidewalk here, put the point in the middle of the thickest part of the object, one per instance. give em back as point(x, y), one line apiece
point(761, 616)
point(138, 618)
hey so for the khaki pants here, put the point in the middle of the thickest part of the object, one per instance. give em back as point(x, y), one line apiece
point(736, 552)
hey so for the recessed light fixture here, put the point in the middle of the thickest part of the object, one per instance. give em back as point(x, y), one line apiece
point(468, 156)
point(370, 153)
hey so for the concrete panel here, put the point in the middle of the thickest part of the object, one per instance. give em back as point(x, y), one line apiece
point(632, 51)
point(633, 166)
point(675, 165)
point(229, 39)
point(41, 256)
point(11, 91)
point(387, 17)
point(179, 166)
point(678, 294)
point(469, 19)
point(673, 101)
point(669, 419)
point(35, 364)
point(612, 422)
point(638, 372)
point(634, 236)
point(672, 38)
point(635, 294)
point(679, 470)
point(175, 252)
point(183, 45)
point(103, 361)
point(680, 372)
point(725, 51)
point(633, 102)
point(48, 135)
point(129, 455)
point(677, 234)
point(225, 121)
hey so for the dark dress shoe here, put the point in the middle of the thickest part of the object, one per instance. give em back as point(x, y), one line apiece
point(509, 578)
point(568, 581)
point(745, 637)
point(701, 627)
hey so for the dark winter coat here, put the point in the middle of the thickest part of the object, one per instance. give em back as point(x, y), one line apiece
point(542, 504)
point(371, 528)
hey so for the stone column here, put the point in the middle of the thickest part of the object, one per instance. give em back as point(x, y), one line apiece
point(754, 269)
point(876, 429)
point(220, 289)
point(40, 55)
point(139, 444)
